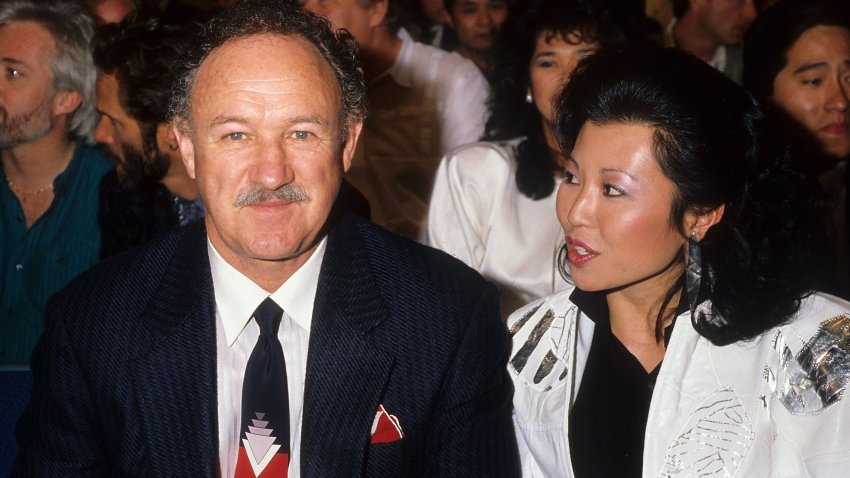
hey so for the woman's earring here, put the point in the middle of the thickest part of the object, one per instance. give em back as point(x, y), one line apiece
point(693, 271)
point(563, 263)
point(528, 98)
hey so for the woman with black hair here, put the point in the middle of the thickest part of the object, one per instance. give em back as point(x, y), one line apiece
point(492, 201)
point(693, 342)
point(797, 61)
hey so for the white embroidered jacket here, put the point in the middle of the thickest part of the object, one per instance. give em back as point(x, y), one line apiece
point(769, 407)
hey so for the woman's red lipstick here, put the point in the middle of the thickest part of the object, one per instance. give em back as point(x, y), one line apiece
point(579, 253)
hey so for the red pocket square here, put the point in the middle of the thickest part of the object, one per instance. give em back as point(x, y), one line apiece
point(385, 427)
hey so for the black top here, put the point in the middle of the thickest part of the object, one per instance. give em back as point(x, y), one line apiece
point(608, 419)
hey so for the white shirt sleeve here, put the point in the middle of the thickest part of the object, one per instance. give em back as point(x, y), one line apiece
point(463, 201)
point(463, 107)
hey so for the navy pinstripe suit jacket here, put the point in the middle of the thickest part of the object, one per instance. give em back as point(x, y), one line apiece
point(125, 379)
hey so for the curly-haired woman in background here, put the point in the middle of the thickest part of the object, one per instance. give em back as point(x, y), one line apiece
point(692, 343)
point(492, 204)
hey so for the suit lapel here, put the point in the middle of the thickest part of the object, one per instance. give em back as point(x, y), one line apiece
point(176, 379)
point(346, 369)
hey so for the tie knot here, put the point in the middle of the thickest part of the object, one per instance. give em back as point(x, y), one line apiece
point(268, 315)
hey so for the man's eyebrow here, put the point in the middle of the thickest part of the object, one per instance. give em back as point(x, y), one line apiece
point(13, 61)
point(809, 66)
point(103, 113)
point(227, 119)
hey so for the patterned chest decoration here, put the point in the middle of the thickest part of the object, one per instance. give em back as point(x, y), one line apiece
point(540, 339)
point(816, 377)
point(714, 439)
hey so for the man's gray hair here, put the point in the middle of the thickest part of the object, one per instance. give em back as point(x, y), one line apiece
point(73, 68)
point(281, 17)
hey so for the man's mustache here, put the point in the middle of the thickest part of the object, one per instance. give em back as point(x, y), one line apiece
point(256, 193)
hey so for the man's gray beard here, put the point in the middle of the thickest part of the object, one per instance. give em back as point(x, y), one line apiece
point(24, 128)
point(256, 193)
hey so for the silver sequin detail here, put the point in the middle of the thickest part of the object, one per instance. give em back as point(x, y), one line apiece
point(816, 378)
point(521, 357)
point(519, 323)
point(540, 346)
point(546, 366)
point(716, 437)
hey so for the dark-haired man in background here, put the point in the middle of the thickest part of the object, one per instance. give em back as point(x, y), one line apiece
point(423, 101)
point(712, 30)
point(149, 192)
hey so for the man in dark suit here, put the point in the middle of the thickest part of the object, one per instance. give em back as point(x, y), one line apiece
point(392, 358)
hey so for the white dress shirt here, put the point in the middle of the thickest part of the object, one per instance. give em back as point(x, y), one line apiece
point(236, 298)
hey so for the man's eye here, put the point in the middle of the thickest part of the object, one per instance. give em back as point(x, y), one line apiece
point(236, 136)
point(813, 81)
point(12, 73)
point(301, 135)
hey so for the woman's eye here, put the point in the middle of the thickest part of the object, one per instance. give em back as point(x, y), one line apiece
point(611, 190)
point(545, 64)
point(812, 81)
point(569, 177)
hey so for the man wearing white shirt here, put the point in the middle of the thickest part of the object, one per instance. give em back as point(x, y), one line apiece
point(281, 336)
point(423, 102)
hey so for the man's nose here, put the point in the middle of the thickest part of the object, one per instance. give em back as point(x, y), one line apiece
point(838, 95)
point(272, 169)
point(750, 11)
point(484, 17)
point(103, 131)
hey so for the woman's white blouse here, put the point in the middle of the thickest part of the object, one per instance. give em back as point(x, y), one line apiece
point(769, 407)
point(478, 215)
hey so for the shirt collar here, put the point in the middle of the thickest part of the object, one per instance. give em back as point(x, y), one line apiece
point(237, 296)
point(595, 307)
point(718, 61)
point(401, 71)
point(60, 184)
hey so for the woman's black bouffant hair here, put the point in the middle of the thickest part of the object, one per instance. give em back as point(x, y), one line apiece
point(714, 142)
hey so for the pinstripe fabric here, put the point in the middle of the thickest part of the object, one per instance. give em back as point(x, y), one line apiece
point(37, 262)
point(125, 374)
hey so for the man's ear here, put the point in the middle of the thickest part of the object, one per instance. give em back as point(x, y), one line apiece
point(65, 102)
point(166, 140)
point(448, 19)
point(350, 145)
point(180, 129)
point(698, 6)
point(702, 222)
point(378, 12)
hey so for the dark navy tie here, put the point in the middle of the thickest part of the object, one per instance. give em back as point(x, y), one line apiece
point(264, 434)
